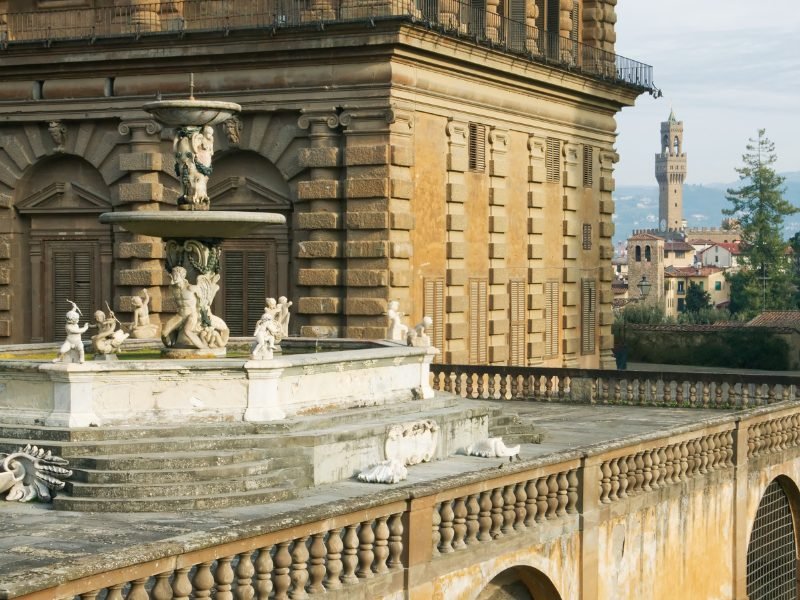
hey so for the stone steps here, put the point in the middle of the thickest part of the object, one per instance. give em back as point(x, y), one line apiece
point(176, 461)
point(171, 475)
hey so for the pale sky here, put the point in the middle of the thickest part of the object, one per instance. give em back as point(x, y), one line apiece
point(726, 67)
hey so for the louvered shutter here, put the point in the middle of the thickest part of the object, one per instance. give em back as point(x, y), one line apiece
point(517, 34)
point(433, 306)
point(477, 147)
point(245, 288)
point(553, 160)
point(478, 321)
point(551, 318)
point(73, 276)
point(517, 315)
point(588, 166)
point(588, 315)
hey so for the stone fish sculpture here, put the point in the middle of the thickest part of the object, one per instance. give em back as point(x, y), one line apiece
point(31, 473)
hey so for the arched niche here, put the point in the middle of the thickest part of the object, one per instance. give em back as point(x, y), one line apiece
point(520, 583)
point(68, 251)
point(772, 548)
point(256, 266)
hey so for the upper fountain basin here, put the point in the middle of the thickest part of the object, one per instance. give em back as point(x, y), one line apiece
point(219, 224)
point(176, 113)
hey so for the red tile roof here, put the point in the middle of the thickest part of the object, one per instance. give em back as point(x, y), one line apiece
point(777, 318)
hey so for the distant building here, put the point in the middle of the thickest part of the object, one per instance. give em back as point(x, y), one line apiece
point(678, 279)
point(723, 254)
point(670, 174)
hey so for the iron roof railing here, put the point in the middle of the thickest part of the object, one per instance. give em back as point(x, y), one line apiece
point(452, 18)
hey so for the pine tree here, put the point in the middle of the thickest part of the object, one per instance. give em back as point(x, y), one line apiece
point(760, 208)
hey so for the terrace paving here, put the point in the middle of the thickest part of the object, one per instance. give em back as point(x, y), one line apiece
point(41, 547)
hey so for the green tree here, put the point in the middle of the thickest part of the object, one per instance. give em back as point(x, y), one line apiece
point(760, 208)
point(696, 298)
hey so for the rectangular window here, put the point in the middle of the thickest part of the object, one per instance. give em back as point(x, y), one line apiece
point(478, 321)
point(587, 236)
point(679, 254)
point(680, 287)
point(681, 304)
point(588, 170)
point(74, 276)
point(588, 315)
point(551, 304)
point(248, 277)
point(477, 147)
point(516, 337)
point(553, 160)
point(433, 307)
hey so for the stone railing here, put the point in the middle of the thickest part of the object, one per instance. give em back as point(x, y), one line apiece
point(646, 388)
point(369, 545)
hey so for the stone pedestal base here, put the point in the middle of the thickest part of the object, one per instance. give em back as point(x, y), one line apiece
point(192, 353)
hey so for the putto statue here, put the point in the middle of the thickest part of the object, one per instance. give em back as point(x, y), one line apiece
point(71, 350)
point(141, 328)
point(398, 332)
point(418, 336)
point(193, 147)
point(106, 343)
point(283, 315)
point(194, 326)
point(267, 333)
point(30, 473)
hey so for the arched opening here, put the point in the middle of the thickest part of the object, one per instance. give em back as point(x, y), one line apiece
point(257, 266)
point(647, 254)
point(68, 251)
point(677, 146)
point(638, 253)
point(772, 549)
point(520, 583)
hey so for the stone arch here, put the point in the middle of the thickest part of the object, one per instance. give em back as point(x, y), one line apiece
point(63, 252)
point(257, 266)
point(520, 582)
point(772, 547)
point(648, 255)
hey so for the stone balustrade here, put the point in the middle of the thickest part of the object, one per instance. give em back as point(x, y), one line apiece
point(773, 434)
point(641, 388)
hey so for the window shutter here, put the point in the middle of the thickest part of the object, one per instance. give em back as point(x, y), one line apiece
point(245, 286)
point(551, 318)
point(553, 160)
point(516, 339)
point(72, 279)
point(478, 321)
point(588, 315)
point(587, 236)
point(477, 147)
point(588, 166)
point(433, 306)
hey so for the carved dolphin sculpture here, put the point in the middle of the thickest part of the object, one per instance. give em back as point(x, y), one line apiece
point(492, 448)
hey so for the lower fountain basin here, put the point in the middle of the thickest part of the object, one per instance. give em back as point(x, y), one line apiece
point(219, 224)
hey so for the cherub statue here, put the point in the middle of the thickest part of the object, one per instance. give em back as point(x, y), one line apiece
point(31, 473)
point(267, 332)
point(141, 328)
point(283, 315)
point(397, 330)
point(108, 339)
point(72, 349)
point(194, 326)
point(418, 336)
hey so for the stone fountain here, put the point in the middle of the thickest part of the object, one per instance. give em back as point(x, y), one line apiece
point(193, 235)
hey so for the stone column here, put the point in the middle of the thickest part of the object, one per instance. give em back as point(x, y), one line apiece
point(492, 20)
point(531, 31)
point(536, 249)
point(378, 218)
point(599, 18)
point(318, 222)
point(605, 234)
point(138, 257)
point(137, 15)
point(499, 324)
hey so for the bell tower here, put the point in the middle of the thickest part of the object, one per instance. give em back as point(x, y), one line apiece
point(670, 174)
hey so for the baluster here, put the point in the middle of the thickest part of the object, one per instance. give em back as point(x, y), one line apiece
point(638, 461)
point(552, 496)
point(299, 569)
point(381, 544)
point(436, 521)
point(469, 385)
point(93, 594)
point(717, 394)
point(572, 492)
point(162, 590)
point(622, 464)
point(759, 396)
point(459, 523)
point(751, 440)
point(263, 567)
point(541, 499)
point(654, 392)
point(786, 394)
point(334, 547)
point(537, 387)
point(489, 387)
point(526, 386)
point(115, 591)
point(504, 387)
point(563, 386)
point(244, 576)
point(629, 391)
point(223, 576)
point(662, 466)
point(446, 527)
point(745, 395)
point(593, 391)
point(530, 503)
point(617, 392)
point(605, 482)
point(181, 585)
point(631, 460)
point(138, 591)
point(473, 510)
point(561, 498)
point(203, 581)
point(679, 393)
point(366, 539)
point(485, 517)
point(497, 513)
point(685, 451)
point(316, 569)
point(655, 468)
point(481, 387)
point(693, 393)
point(396, 541)
point(614, 480)
point(647, 470)
point(451, 384)
point(548, 382)
point(509, 511)
point(641, 392)
point(705, 387)
point(698, 456)
point(349, 558)
point(520, 510)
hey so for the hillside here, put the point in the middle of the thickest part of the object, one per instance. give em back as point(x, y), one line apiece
point(637, 206)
